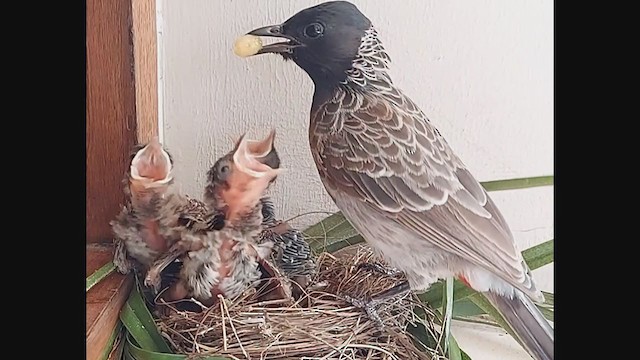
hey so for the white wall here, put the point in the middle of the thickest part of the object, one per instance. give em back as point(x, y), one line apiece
point(481, 70)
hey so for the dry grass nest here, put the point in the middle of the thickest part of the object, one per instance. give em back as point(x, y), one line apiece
point(320, 325)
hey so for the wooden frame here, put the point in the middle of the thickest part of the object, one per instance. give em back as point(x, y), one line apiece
point(111, 112)
point(146, 68)
point(122, 109)
point(122, 105)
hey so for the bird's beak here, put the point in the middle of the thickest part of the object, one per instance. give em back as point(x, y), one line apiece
point(285, 47)
point(261, 148)
point(250, 155)
point(251, 176)
point(151, 165)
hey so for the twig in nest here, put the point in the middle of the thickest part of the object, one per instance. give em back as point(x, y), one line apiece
point(226, 310)
point(224, 328)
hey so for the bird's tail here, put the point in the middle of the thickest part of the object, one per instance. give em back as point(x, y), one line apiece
point(527, 322)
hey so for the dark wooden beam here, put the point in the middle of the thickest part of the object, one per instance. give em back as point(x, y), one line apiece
point(111, 111)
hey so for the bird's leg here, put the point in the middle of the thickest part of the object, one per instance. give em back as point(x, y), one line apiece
point(175, 251)
point(377, 267)
point(369, 306)
point(153, 274)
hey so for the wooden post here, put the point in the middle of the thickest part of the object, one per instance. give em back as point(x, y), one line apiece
point(111, 111)
point(122, 109)
point(146, 65)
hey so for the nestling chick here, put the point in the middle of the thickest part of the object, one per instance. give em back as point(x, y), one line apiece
point(155, 215)
point(291, 252)
point(226, 261)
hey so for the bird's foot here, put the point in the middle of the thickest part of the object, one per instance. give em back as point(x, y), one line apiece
point(176, 250)
point(379, 268)
point(369, 306)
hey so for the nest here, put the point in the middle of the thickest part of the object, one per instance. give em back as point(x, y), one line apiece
point(320, 325)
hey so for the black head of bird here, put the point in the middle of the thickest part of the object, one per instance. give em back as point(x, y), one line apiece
point(237, 181)
point(323, 40)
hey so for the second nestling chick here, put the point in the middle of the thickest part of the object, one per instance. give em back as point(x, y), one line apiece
point(291, 252)
point(226, 261)
point(155, 215)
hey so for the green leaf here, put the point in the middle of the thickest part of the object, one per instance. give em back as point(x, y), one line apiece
point(334, 245)
point(547, 308)
point(100, 274)
point(433, 296)
point(447, 311)
point(136, 328)
point(466, 308)
point(126, 355)
point(420, 334)
point(138, 320)
point(332, 234)
point(539, 255)
point(547, 312)
point(519, 183)
point(137, 353)
point(422, 338)
point(326, 225)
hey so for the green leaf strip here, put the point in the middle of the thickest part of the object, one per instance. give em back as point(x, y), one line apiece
point(100, 274)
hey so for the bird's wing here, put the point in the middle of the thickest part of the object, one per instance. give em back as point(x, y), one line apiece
point(194, 214)
point(268, 211)
point(383, 151)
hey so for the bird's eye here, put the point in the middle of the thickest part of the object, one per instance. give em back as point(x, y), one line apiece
point(222, 171)
point(314, 30)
